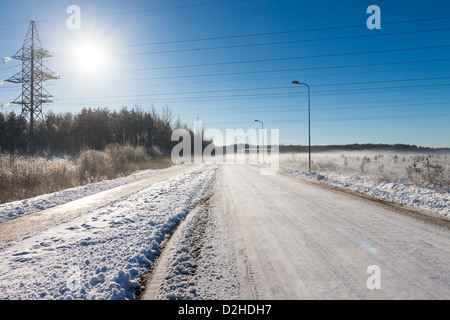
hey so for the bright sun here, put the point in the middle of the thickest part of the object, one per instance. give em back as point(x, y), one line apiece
point(91, 58)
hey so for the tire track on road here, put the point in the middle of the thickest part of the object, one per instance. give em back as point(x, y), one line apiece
point(155, 283)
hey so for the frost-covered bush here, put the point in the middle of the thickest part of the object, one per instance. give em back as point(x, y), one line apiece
point(25, 177)
point(430, 170)
point(427, 172)
point(126, 158)
point(94, 165)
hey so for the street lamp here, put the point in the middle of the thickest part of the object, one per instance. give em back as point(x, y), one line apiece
point(309, 120)
point(262, 134)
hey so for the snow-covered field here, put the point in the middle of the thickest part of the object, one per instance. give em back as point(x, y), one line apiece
point(104, 253)
point(383, 175)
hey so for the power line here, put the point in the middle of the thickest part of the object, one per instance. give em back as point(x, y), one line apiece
point(344, 119)
point(282, 32)
point(4, 89)
point(233, 80)
point(290, 69)
point(265, 95)
point(239, 35)
point(266, 88)
point(279, 94)
point(172, 8)
point(293, 58)
point(403, 116)
point(229, 36)
point(142, 11)
point(10, 67)
point(285, 94)
point(270, 43)
point(266, 71)
point(296, 108)
point(13, 23)
point(281, 42)
point(7, 88)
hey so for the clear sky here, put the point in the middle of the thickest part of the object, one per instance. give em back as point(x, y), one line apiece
point(228, 63)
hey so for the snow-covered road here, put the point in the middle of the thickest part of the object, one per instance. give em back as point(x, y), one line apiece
point(276, 237)
point(234, 234)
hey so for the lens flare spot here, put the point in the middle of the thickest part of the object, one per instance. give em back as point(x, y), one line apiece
point(371, 250)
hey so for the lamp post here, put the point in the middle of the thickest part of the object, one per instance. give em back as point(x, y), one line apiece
point(262, 134)
point(309, 120)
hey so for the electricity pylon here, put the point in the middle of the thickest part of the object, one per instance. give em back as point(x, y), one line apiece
point(32, 76)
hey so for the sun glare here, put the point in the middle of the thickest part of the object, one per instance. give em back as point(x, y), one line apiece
point(91, 58)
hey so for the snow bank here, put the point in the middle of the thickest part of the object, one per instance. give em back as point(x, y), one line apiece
point(104, 253)
point(398, 191)
point(201, 261)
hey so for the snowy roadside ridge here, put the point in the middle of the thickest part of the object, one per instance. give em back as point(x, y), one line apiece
point(200, 262)
point(12, 210)
point(182, 264)
point(102, 254)
point(397, 191)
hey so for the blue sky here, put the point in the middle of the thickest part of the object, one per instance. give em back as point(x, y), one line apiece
point(228, 63)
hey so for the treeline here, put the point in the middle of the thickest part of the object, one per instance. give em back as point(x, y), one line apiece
point(95, 129)
point(361, 147)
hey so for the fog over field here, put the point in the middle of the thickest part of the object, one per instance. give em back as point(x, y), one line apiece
point(381, 164)
point(417, 180)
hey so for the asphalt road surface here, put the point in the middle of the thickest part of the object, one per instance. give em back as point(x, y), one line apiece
point(278, 237)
